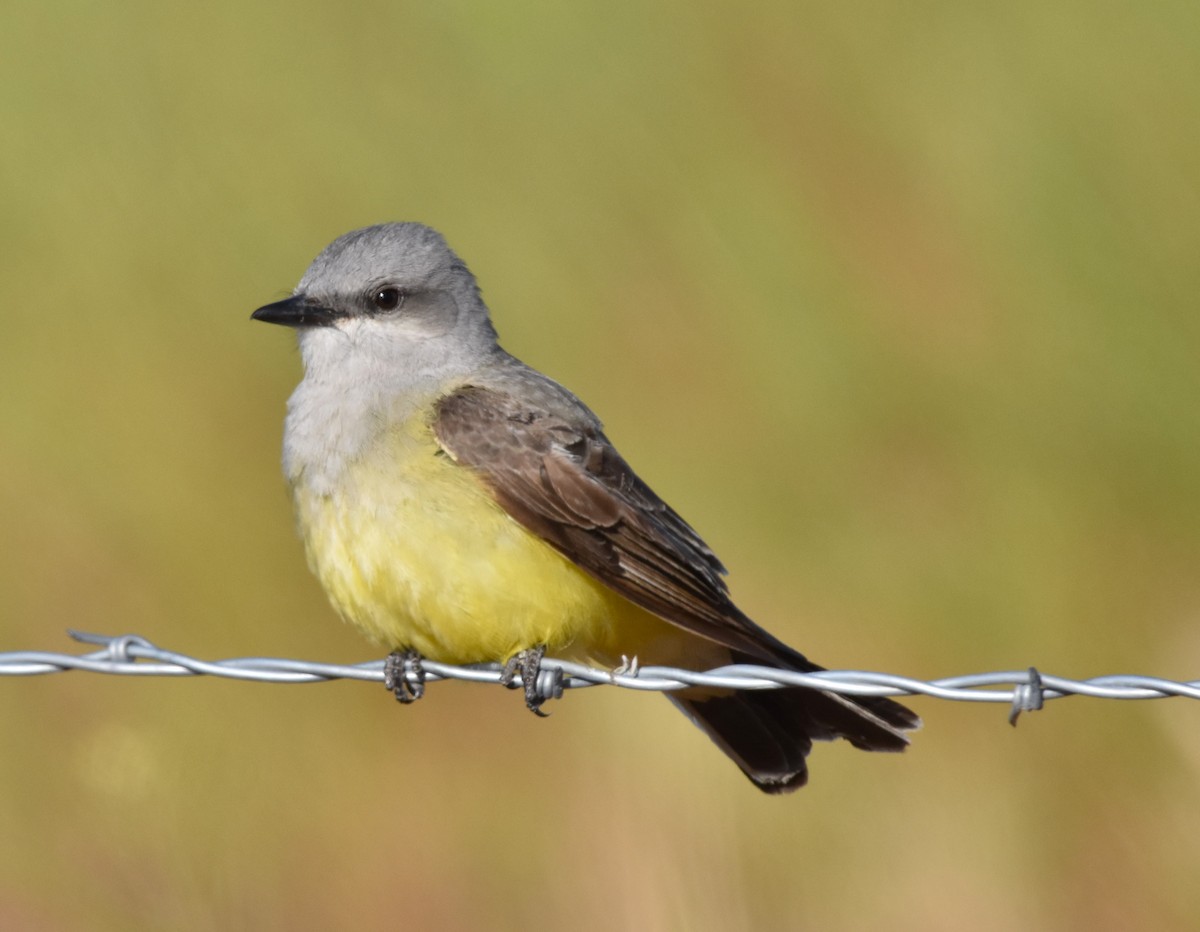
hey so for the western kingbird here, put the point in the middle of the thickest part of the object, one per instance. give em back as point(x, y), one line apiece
point(460, 506)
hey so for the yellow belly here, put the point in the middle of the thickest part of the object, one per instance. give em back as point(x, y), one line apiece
point(412, 549)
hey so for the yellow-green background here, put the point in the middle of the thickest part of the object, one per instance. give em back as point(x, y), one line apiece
point(897, 303)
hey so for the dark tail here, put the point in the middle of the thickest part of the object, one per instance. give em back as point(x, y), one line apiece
point(769, 732)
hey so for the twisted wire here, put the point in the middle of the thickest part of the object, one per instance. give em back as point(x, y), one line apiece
point(1024, 690)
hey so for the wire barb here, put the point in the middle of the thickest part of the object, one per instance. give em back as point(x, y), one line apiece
point(1029, 696)
point(1023, 691)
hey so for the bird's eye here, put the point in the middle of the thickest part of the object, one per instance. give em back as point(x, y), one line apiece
point(387, 299)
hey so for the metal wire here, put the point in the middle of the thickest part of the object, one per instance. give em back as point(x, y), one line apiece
point(1023, 690)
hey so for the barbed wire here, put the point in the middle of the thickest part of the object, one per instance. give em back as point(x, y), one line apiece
point(1024, 691)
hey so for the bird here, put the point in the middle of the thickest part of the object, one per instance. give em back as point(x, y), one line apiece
point(459, 506)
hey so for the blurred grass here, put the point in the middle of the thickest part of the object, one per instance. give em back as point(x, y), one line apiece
point(911, 292)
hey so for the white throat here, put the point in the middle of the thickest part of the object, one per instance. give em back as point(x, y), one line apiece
point(361, 379)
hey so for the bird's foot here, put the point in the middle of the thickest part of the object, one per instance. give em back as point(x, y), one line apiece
point(528, 663)
point(404, 676)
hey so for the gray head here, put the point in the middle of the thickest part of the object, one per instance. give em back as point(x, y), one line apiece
point(393, 296)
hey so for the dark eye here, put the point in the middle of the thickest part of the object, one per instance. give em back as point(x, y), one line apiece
point(387, 299)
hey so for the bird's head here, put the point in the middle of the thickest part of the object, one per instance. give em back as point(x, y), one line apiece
point(393, 295)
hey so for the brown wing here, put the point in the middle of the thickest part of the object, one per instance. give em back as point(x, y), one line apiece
point(565, 481)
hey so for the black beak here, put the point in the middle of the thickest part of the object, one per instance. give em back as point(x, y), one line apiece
point(297, 311)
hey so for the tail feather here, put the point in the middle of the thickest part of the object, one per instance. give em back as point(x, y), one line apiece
point(769, 733)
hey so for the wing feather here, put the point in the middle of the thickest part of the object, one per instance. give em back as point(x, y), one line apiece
point(565, 482)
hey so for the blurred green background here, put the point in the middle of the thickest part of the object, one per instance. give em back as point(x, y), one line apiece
point(896, 303)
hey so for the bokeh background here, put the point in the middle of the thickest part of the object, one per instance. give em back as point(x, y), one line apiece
point(896, 303)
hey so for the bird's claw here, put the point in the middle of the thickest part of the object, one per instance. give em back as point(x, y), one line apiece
point(528, 663)
point(404, 676)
